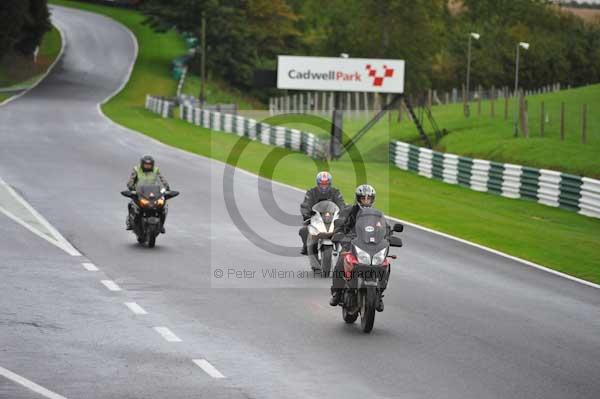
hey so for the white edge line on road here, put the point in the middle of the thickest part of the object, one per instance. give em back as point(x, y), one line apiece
point(111, 285)
point(61, 242)
point(167, 334)
point(90, 267)
point(135, 308)
point(29, 384)
point(34, 231)
point(448, 236)
point(208, 368)
point(45, 75)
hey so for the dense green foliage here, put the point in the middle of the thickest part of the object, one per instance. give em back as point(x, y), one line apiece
point(240, 34)
point(428, 34)
point(22, 25)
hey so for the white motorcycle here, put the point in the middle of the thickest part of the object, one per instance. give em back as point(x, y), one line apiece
point(320, 230)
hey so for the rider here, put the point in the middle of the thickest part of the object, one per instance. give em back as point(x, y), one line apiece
point(365, 198)
point(322, 192)
point(145, 173)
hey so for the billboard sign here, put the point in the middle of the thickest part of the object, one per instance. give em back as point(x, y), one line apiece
point(340, 74)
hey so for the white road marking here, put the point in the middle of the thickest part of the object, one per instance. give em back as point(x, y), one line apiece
point(29, 384)
point(111, 285)
point(208, 368)
point(90, 267)
point(135, 308)
point(58, 241)
point(167, 334)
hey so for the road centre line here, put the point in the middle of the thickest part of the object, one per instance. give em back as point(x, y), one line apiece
point(208, 368)
point(90, 267)
point(111, 285)
point(167, 334)
point(135, 308)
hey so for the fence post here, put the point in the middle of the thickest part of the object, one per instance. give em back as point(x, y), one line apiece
point(523, 108)
point(493, 107)
point(465, 98)
point(562, 121)
point(506, 107)
point(399, 111)
point(542, 119)
point(584, 124)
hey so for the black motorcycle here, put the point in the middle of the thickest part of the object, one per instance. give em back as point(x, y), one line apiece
point(366, 266)
point(149, 204)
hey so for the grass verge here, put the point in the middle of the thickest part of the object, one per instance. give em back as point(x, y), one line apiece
point(17, 74)
point(558, 239)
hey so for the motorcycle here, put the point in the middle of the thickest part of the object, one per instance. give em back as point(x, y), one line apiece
point(366, 266)
point(149, 204)
point(320, 230)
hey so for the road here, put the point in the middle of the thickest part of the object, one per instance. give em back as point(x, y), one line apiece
point(459, 322)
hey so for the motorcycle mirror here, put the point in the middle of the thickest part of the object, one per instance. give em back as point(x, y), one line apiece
point(398, 228)
point(128, 194)
point(171, 194)
point(395, 241)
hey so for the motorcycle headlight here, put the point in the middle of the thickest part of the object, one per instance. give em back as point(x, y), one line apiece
point(144, 202)
point(379, 257)
point(160, 202)
point(363, 257)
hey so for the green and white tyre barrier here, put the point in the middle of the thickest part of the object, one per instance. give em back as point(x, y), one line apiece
point(279, 136)
point(548, 187)
point(160, 106)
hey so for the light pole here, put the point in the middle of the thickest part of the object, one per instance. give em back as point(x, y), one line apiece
point(475, 36)
point(337, 122)
point(525, 47)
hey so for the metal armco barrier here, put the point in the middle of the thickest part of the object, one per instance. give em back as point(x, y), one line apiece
point(548, 187)
point(279, 136)
point(160, 106)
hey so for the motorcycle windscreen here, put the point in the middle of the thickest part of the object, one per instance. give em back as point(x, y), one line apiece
point(325, 206)
point(149, 191)
point(370, 227)
point(327, 209)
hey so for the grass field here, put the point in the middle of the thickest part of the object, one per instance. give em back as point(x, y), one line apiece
point(218, 92)
point(559, 239)
point(487, 137)
point(17, 74)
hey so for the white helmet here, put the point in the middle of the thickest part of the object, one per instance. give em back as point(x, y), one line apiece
point(365, 196)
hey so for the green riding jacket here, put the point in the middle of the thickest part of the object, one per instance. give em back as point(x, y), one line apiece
point(138, 176)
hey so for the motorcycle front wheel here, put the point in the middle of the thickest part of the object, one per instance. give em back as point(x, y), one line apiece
point(326, 260)
point(367, 309)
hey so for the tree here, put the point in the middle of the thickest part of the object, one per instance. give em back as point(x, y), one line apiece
point(22, 25)
point(12, 19)
point(241, 34)
point(36, 24)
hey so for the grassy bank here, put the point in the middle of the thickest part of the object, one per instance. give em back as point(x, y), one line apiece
point(18, 73)
point(562, 240)
point(491, 137)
